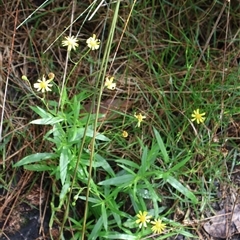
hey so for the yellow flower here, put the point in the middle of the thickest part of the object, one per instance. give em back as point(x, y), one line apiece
point(140, 118)
point(93, 43)
point(143, 219)
point(43, 85)
point(158, 226)
point(198, 116)
point(125, 134)
point(109, 83)
point(70, 43)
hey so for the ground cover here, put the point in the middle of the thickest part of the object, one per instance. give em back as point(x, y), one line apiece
point(120, 120)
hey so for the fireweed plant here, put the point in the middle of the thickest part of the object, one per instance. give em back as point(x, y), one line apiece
point(74, 162)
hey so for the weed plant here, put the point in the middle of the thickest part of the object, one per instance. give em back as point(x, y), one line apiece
point(132, 106)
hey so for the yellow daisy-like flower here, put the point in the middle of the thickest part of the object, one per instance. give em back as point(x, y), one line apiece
point(143, 219)
point(43, 85)
point(196, 116)
point(158, 226)
point(140, 118)
point(70, 43)
point(93, 43)
point(109, 83)
point(125, 134)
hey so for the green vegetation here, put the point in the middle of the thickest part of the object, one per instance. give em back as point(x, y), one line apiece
point(133, 119)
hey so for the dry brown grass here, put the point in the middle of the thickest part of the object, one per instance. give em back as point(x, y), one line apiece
point(22, 53)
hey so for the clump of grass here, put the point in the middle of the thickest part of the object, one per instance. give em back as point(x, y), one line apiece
point(156, 67)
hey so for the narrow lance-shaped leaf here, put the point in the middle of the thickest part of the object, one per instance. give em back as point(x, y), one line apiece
point(161, 146)
point(36, 157)
point(178, 186)
point(64, 160)
point(117, 181)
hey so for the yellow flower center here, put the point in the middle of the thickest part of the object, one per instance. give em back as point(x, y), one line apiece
point(140, 117)
point(43, 85)
point(159, 225)
point(142, 218)
point(198, 116)
point(93, 43)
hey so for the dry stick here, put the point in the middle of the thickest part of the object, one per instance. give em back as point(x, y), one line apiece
point(224, 58)
point(5, 236)
point(60, 104)
point(228, 220)
point(30, 14)
point(8, 71)
point(41, 215)
point(99, 5)
point(68, 54)
point(120, 40)
point(208, 40)
point(103, 68)
point(229, 223)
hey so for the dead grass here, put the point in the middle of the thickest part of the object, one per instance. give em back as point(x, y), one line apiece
point(153, 50)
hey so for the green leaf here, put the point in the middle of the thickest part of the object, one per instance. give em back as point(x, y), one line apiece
point(64, 191)
point(178, 186)
point(38, 167)
point(41, 112)
point(104, 164)
point(153, 153)
point(95, 232)
point(115, 235)
point(117, 181)
point(161, 146)
point(78, 134)
point(64, 160)
point(75, 108)
point(126, 169)
point(104, 216)
point(47, 121)
point(91, 200)
point(116, 216)
point(144, 161)
point(180, 164)
point(36, 157)
point(187, 234)
point(128, 162)
point(58, 135)
point(63, 194)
